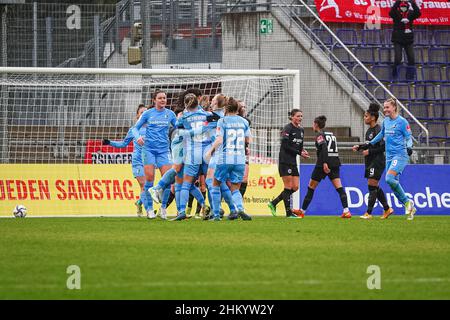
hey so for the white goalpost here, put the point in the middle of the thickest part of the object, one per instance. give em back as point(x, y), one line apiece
point(54, 119)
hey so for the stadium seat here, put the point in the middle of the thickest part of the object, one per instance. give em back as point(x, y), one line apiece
point(385, 55)
point(401, 91)
point(348, 36)
point(423, 37)
point(371, 37)
point(445, 111)
point(377, 91)
point(342, 55)
point(324, 36)
point(430, 73)
point(360, 73)
point(382, 72)
point(437, 130)
point(406, 74)
point(419, 55)
point(442, 38)
point(425, 92)
point(366, 54)
point(438, 55)
point(438, 111)
point(415, 129)
point(387, 37)
point(445, 92)
point(446, 74)
point(419, 110)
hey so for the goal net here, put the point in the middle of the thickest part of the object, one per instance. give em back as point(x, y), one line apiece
point(58, 117)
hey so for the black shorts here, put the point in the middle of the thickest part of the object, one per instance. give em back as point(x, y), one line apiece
point(373, 172)
point(285, 169)
point(318, 174)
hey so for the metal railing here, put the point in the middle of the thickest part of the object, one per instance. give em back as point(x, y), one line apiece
point(287, 9)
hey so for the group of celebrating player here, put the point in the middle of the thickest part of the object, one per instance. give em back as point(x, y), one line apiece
point(213, 144)
point(392, 138)
point(208, 142)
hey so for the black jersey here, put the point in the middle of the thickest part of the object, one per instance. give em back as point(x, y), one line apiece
point(327, 150)
point(376, 157)
point(291, 143)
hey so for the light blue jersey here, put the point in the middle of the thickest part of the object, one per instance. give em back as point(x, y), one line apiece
point(136, 157)
point(233, 130)
point(157, 133)
point(195, 146)
point(397, 134)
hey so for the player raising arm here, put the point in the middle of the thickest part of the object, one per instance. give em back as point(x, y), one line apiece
point(136, 159)
point(397, 134)
point(375, 162)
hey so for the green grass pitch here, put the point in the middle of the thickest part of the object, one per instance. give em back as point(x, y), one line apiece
point(267, 258)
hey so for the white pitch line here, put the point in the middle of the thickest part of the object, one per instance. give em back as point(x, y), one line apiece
point(311, 282)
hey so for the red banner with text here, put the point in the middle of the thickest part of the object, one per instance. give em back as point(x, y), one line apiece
point(435, 12)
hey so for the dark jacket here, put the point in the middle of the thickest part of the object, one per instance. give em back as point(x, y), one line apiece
point(398, 33)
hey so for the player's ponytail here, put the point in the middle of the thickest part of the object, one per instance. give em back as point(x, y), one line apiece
point(320, 121)
point(293, 113)
point(190, 101)
point(221, 101)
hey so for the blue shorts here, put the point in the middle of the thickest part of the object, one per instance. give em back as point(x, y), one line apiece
point(194, 170)
point(232, 172)
point(156, 159)
point(397, 164)
point(180, 173)
point(138, 170)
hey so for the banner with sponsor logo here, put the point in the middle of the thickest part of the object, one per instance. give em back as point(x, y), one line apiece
point(436, 12)
point(104, 189)
point(97, 153)
point(427, 185)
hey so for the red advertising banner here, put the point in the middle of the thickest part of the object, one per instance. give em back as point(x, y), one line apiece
point(96, 153)
point(436, 12)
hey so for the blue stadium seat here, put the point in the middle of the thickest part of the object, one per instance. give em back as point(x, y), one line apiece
point(447, 72)
point(387, 37)
point(377, 91)
point(366, 54)
point(371, 37)
point(348, 36)
point(438, 111)
point(437, 129)
point(423, 37)
point(382, 72)
point(438, 55)
point(401, 91)
point(419, 55)
point(442, 38)
point(360, 73)
point(419, 110)
point(385, 55)
point(425, 92)
point(446, 111)
point(406, 74)
point(445, 92)
point(342, 55)
point(324, 36)
point(430, 73)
